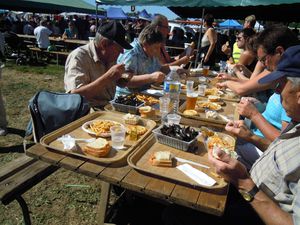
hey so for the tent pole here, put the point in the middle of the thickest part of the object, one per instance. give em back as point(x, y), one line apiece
point(199, 40)
point(96, 15)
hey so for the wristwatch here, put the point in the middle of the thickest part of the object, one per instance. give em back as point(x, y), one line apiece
point(249, 195)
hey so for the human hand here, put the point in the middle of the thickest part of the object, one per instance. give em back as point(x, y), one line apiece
point(223, 76)
point(115, 72)
point(157, 77)
point(239, 129)
point(231, 169)
point(221, 85)
point(247, 109)
point(226, 49)
point(185, 59)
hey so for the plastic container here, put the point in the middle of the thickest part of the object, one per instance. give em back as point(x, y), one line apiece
point(173, 118)
point(173, 142)
point(126, 108)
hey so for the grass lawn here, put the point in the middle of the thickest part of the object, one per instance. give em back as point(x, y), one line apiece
point(64, 197)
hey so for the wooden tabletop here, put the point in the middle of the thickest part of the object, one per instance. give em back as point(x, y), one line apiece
point(57, 39)
point(210, 201)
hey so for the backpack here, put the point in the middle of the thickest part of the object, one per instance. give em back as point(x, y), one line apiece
point(51, 110)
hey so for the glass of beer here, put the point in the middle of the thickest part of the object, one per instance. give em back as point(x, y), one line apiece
point(205, 70)
point(191, 99)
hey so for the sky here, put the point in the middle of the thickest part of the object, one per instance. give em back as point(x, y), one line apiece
point(150, 9)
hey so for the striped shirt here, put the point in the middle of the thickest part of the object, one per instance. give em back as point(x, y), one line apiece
point(277, 171)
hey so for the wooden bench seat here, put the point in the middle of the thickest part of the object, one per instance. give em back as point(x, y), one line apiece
point(18, 176)
point(56, 53)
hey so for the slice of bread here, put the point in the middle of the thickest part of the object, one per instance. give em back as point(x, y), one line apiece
point(162, 158)
point(98, 148)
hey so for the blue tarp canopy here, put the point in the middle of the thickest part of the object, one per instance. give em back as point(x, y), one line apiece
point(145, 15)
point(116, 13)
point(230, 24)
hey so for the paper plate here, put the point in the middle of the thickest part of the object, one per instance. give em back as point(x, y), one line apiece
point(86, 128)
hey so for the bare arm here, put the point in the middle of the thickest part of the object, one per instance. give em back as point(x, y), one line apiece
point(90, 90)
point(140, 80)
point(244, 87)
point(236, 173)
point(239, 129)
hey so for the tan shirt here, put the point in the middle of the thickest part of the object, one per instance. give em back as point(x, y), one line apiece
point(83, 66)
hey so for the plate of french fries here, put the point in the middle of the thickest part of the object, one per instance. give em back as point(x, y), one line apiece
point(99, 128)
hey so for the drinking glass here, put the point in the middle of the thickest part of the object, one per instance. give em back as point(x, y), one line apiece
point(164, 107)
point(201, 89)
point(117, 136)
point(189, 86)
point(205, 70)
point(191, 99)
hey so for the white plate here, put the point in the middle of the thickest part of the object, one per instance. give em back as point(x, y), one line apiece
point(86, 128)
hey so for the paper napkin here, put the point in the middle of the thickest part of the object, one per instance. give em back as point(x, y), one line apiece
point(196, 175)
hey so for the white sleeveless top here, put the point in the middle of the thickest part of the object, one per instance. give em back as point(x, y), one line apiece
point(205, 41)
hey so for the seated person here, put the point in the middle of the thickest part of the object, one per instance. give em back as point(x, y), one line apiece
point(271, 187)
point(90, 69)
point(247, 57)
point(162, 24)
point(71, 32)
point(142, 61)
point(268, 124)
point(270, 43)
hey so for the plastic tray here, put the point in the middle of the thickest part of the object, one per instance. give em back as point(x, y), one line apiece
point(126, 108)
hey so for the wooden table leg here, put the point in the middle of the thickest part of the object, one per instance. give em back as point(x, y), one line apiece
point(104, 198)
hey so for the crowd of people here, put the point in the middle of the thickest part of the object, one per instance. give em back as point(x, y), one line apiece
point(264, 67)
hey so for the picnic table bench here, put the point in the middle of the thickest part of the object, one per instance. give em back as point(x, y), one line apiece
point(18, 176)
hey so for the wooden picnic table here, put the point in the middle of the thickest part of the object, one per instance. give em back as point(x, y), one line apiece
point(210, 201)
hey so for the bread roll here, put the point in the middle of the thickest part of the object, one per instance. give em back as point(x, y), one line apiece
point(98, 148)
point(190, 112)
point(146, 111)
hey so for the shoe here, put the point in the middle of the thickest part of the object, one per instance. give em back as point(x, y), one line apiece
point(3, 131)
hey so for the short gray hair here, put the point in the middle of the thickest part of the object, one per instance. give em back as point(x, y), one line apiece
point(150, 35)
point(295, 82)
point(159, 20)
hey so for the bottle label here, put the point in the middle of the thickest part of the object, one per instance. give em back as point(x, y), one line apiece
point(174, 88)
point(166, 87)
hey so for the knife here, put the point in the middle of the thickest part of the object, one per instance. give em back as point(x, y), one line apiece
point(190, 162)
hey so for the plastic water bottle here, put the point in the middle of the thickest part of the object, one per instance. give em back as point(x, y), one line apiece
point(172, 87)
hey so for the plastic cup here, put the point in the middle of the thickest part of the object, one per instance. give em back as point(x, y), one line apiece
point(189, 86)
point(205, 70)
point(173, 119)
point(201, 89)
point(118, 136)
point(202, 80)
point(164, 105)
point(191, 99)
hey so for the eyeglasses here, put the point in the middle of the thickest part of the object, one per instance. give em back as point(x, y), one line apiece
point(263, 59)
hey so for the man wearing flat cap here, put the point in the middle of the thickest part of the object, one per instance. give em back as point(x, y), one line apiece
point(91, 70)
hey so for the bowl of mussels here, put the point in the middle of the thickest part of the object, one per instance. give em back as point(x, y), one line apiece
point(127, 104)
point(176, 136)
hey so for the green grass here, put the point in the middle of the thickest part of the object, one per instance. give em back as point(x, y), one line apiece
point(64, 197)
